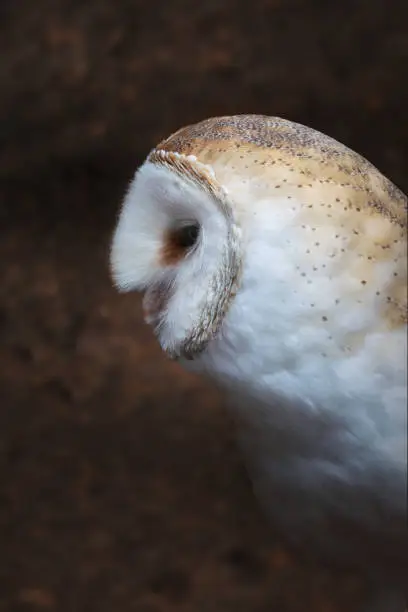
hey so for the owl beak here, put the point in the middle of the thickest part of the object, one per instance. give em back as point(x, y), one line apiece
point(155, 301)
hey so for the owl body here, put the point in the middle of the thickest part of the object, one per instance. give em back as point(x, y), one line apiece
point(273, 259)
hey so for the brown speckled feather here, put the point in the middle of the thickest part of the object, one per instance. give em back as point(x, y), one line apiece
point(278, 140)
point(337, 187)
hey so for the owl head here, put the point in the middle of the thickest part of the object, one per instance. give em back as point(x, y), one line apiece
point(243, 200)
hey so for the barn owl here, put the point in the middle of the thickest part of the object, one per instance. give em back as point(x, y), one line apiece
point(273, 259)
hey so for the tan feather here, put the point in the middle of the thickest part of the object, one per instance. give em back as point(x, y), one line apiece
point(337, 187)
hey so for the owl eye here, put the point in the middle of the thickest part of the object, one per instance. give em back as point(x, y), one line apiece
point(185, 237)
point(178, 241)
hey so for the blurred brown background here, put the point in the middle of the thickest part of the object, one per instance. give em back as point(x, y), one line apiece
point(121, 489)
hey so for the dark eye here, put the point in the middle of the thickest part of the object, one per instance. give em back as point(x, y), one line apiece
point(186, 237)
point(178, 241)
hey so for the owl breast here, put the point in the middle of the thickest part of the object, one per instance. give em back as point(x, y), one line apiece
point(315, 370)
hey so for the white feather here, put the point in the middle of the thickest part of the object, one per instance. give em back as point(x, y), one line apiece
point(317, 378)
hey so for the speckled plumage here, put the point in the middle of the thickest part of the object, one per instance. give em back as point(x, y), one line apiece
point(295, 300)
point(335, 185)
point(271, 141)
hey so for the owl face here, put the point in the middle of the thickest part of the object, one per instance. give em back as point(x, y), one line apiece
point(178, 242)
point(266, 236)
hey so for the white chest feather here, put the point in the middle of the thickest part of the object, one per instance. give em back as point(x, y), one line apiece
point(317, 379)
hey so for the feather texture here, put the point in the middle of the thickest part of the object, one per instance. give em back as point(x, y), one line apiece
point(295, 301)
